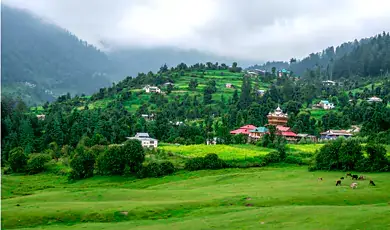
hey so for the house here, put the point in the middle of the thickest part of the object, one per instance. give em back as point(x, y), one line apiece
point(258, 132)
point(145, 140)
point(328, 82)
point(243, 130)
point(333, 134)
point(374, 99)
point(252, 73)
point(261, 92)
point(307, 136)
point(148, 117)
point(287, 133)
point(41, 117)
point(151, 89)
point(282, 72)
point(169, 83)
point(325, 104)
point(229, 85)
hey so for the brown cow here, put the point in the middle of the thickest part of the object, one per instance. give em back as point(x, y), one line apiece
point(362, 177)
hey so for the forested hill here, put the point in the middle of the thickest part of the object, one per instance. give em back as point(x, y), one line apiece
point(367, 57)
point(40, 59)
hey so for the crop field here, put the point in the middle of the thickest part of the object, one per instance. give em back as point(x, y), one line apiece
point(254, 198)
point(225, 152)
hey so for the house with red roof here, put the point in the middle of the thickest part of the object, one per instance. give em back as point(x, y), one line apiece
point(243, 130)
point(287, 133)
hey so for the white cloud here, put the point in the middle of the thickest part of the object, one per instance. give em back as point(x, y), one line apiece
point(248, 29)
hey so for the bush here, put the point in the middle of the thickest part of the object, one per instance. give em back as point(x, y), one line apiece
point(211, 161)
point(36, 163)
point(82, 164)
point(17, 160)
point(194, 164)
point(272, 157)
point(293, 160)
point(155, 169)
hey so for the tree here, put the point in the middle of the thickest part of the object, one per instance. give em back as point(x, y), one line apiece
point(133, 155)
point(82, 164)
point(193, 84)
point(169, 88)
point(111, 162)
point(17, 160)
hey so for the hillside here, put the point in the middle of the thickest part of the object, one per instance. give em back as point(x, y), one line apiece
point(368, 57)
point(41, 61)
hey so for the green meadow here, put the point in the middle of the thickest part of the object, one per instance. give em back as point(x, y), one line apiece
point(274, 197)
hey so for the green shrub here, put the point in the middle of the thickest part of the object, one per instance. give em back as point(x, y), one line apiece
point(82, 164)
point(194, 164)
point(293, 160)
point(272, 157)
point(211, 161)
point(36, 163)
point(155, 169)
point(17, 160)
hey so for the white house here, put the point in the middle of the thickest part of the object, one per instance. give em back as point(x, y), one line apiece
point(374, 99)
point(145, 140)
point(152, 89)
point(325, 104)
point(41, 116)
point(229, 85)
point(328, 82)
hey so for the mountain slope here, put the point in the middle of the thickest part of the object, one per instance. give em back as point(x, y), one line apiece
point(51, 60)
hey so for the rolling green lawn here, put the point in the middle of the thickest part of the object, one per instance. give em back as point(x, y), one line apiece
point(255, 198)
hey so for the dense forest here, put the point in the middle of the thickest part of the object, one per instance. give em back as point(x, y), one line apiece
point(357, 59)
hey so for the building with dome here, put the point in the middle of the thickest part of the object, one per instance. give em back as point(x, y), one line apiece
point(277, 118)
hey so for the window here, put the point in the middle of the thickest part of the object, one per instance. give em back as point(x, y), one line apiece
point(151, 142)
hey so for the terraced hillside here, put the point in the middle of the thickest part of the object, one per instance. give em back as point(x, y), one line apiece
point(256, 198)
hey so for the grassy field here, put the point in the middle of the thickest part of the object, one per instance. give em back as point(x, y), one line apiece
point(255, 198)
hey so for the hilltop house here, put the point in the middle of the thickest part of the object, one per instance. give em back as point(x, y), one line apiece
point(151, 89)
point(328, 82)
point(333, 134)
point(260, 92)
point(169, 83)
point(325, 104)
point(374, 99)
point(282, 72)
point(41, 117)
point(148, 117)
point(145, 140)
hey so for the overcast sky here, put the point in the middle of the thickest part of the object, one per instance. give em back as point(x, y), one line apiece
point(246, 29)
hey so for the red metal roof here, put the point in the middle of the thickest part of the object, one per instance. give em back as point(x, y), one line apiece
point(243, 130)
point(289, 134)
point(282, 128)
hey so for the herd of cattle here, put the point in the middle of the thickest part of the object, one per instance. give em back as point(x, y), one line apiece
point(353, 177)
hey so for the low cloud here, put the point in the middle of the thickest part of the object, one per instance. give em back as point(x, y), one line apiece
point(247, 29)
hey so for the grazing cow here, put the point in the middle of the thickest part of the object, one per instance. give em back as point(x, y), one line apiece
point(353, 185)
point(319, 178)
point(338, 182)
point(348, 174)
point(362, 178)
point(371, 183)
point(355, 177)
point(342, 178)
